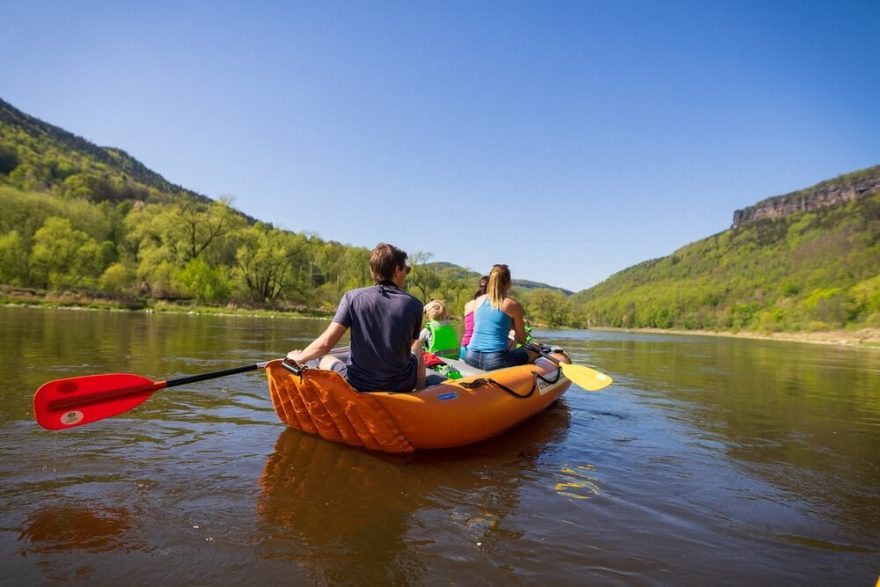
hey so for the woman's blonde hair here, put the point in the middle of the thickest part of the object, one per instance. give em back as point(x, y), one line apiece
point(498, 286)
point(435, 310)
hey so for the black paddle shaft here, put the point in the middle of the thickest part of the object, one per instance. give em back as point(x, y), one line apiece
point(213, 375)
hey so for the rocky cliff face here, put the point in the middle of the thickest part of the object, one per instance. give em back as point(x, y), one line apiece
point(828, 193)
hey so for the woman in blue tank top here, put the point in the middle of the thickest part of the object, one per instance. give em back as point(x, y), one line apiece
point(495, 315)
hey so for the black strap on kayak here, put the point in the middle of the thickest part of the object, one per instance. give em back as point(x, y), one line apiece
point(489, 381)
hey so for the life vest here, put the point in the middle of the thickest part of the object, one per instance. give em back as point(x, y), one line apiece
point(444, 341)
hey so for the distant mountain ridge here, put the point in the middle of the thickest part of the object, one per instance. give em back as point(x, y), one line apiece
point(839, 190)
point(523, 284)
point(14, 119)
point(809, 260)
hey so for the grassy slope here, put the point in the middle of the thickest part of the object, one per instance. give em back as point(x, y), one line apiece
point(809, 271)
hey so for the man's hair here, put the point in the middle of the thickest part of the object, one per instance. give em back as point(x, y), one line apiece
point(384, 260)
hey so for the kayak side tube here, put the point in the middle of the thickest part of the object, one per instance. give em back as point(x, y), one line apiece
point(448, 414)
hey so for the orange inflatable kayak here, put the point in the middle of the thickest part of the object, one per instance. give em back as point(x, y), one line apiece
point(446, 414)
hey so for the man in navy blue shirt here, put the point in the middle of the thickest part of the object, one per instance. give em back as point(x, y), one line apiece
point(385, 321)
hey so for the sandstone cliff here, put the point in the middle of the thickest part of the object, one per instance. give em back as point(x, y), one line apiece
point(828, 193)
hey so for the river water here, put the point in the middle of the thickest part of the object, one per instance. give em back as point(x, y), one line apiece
point(709, 461)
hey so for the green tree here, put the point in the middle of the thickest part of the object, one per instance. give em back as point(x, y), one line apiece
point(456, 291)
point(63, 256)
point(165, 236)
point(184, 231)
point(206, 284)
point(13, 259)
point(266, 263)
point(423, 280)
point(866, 297)
point(26, 212)
point(8, 159)
point(205, 228)
point(548, 306)
point(117, 278)
point(355, 269)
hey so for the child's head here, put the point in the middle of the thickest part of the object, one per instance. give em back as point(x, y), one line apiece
point(435, 310)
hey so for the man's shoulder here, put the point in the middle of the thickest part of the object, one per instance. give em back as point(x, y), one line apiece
point(372, 291)
point(353, 293)
point(415, 302)
point(411, 297)
point(369, 294)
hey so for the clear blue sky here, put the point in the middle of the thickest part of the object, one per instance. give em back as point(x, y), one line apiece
point(569, 140)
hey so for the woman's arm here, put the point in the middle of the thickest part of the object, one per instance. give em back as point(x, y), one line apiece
point(512, 308)
point(519, 327)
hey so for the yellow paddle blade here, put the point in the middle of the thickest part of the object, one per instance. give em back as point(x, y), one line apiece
point(589, 379)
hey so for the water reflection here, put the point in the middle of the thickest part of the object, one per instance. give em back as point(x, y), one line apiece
point(78, 527)
point(350, 516)
point(329, 507)
point(803, 418)
point(579, 482)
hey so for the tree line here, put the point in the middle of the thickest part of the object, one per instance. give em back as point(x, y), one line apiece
point(204, 252)
point(815, 271)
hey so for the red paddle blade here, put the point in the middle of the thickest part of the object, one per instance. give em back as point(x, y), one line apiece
point(65, 403)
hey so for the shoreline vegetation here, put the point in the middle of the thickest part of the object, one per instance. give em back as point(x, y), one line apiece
point(76, 301)
point(868, 338)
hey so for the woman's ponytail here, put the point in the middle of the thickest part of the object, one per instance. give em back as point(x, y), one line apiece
point(498, 286)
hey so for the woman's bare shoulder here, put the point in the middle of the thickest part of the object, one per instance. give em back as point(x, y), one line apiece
point(510, 305)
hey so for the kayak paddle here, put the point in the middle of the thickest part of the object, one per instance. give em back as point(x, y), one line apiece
point(580, 375)
point(74, 401)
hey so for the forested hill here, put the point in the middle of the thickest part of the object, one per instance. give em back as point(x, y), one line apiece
point(36, 155)
point(76, 217)
point(809, 260)
point(523, 285)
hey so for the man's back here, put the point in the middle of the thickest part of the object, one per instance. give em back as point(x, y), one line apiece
point(383, 321)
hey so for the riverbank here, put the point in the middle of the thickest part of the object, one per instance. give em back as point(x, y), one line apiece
point(862, 338)
point(10, 296)
point(78, 301)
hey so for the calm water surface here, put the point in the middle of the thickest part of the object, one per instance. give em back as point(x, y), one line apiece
point(710, 461)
